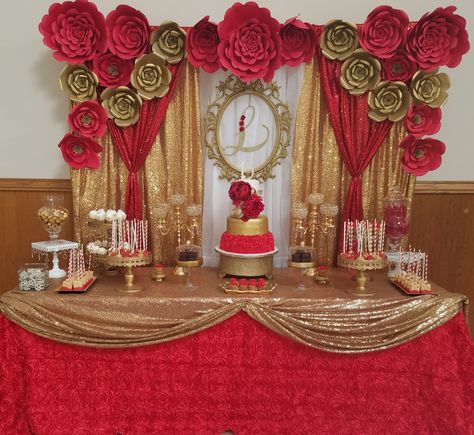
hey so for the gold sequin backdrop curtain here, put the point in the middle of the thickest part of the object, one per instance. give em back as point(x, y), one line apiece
point(174, 165)
point(318, 167)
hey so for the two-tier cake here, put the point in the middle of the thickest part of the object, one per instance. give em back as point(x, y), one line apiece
point(247, 246)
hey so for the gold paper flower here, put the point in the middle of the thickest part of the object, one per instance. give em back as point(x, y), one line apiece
point(122, 104)
point(168, 41)
point(430, 88)
point(150, 76)
point(360, 73)
point(79, 81)
point(339, 39)
point(389, 100)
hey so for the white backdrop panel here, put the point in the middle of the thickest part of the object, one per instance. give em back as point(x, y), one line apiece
point(276, 192)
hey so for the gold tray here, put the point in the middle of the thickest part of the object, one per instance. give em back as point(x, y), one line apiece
point(301, 265)
point(133, 261)
point(268, 289)
point(361, 263)
point(190, 263)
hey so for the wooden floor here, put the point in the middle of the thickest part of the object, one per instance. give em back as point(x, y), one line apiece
point(442, 225)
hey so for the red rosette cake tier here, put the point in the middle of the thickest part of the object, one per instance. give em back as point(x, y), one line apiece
point(247, 244)
point(247, 237)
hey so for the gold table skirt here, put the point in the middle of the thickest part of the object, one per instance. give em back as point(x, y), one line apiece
point(324, 317)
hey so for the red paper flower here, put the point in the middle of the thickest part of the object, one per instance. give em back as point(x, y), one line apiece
point(439, 38)
point(250, 42)
point(239, 191)
point(89, 119)
point(421, 155)
point(252, 207)
point(201, 45)
point(74, 30)
point(80, 152)
point(298, 42)
point(129, 32)
point(111, 70)
point(398, 68)
point(384, 31)
point(423, 120)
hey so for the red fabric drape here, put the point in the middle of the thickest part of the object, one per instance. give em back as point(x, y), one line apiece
point(236, 375)
point(358, 137)
point(135, 142)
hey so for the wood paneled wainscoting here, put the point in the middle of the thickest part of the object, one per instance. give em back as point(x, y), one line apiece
point(20, 200)
point(442, 225)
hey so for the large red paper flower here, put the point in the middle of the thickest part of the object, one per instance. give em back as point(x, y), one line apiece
point(89, 119)
point(239, 191)
point(298, 42)
point(250, 44)
point(437, 39)
point(384, 31)
point(398, 68)
point(80, 152)
point(252, 207)
point(129, 32)
point(111, 70)
point(201, 45)
point(74, 30)
point(421, 155)
point(423, 120)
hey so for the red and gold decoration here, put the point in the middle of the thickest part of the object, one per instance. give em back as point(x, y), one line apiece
point(129, 32)
point(374, 75)
point(339, 40)
point(389, 100)
point(150, 77)
point(168, 41)
point(79, 82)
point(421, 156)
point(75, 31)
point(89, 119)
point(80, 152)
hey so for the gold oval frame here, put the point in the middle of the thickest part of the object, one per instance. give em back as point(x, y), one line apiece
point(227, 91)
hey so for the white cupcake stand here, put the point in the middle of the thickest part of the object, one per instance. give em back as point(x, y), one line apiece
point(54, 247)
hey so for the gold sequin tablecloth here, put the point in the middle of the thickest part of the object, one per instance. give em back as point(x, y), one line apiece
point(324, 317)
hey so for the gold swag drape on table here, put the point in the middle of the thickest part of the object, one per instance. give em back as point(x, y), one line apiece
point(318, 167)
point(174, 165)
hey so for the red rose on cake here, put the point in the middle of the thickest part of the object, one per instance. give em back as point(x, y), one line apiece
point(252, 207)
point(239, 192)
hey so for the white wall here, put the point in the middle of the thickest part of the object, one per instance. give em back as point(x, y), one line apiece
point(33, 110)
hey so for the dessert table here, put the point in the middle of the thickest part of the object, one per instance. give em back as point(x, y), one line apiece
point(168, 360)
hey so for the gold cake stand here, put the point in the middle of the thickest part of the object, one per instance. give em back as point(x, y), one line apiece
point(362, 265)
point(141, 259)
point(248, 265)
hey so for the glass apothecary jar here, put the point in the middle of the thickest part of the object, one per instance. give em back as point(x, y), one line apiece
point(396, 218)
point(53, 215)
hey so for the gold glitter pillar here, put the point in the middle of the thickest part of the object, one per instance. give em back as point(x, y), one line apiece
point(318, 167)
point(174, 165)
